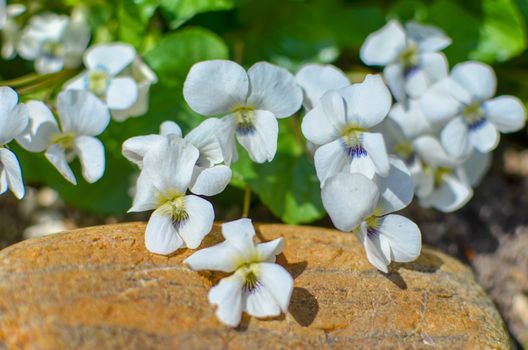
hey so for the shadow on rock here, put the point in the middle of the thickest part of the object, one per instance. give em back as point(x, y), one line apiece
point(303, 306)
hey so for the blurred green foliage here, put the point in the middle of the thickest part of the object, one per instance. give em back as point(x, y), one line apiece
point(174, 34)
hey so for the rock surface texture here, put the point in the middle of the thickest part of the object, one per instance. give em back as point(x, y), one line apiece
point(98, 288)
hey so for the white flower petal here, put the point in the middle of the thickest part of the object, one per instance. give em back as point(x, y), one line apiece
point(404, 237)
point(135, 148)
point(374, 144)
point(113, 58)
point(267, 251)
point(3, 181)
point(79, 82)
point(411, 120)
point(170, 127)
point(10, 168)
point(397, 189)
point(170, 163)
point(423, 181)
point(455, 138)
point(40, 128)
point(215, 87)
point(273, 89)
point(161, 236)
point(384, 45)
point(431, 151)
point(428, 38)
point(476, 166)
point(316, 79)
point(122, 93)
point(261, 141)
point(477, 78)
point(395, 78)
point(146, 197)
point(49, 64)
point(92, 157)
point(377, 255)
point(330, 159)
point(506, 112)
point(484, 137)
point(239, 233)
point(363, 165)
point(82, 113)
point(368, 103)
point(323, 123)
point(204, 138)
point(198, 223)
point(278, 282)
point(433, 67)
point(220, 257)
point(228, 296)
point(439, 104)
point(13, 117)
point(261, 303)
point(56, 155)
point(348, 199)
point(210, 181)
point(225, 134)
point(451, 194)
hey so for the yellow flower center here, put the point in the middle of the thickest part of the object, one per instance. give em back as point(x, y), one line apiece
point(65, 140)
point(473, 115)
point(53, 49)
point(404, 149)
point(409, 57)
point(173, 204)
point(98, 82)
point(439, 174)
point(245, 119)
point(249, 273)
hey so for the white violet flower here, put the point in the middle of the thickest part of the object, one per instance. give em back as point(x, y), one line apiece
point(251, 102)
point(13, 120)
point(104, 63)
point(410, 56)
point(210, 177)
point(340, 125)
point(257, 286)
point(178, 220)
point(82, 117)
point(10, 29)
point(355, 203)
point(317, 79)
point(145, 78)
point(442, 182)
point(474, 118)
point(54, 42)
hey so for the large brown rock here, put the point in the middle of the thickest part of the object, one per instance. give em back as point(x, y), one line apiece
point(98, 288)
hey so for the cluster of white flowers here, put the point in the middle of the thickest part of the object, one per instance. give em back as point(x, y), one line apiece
point(371, 156)
point(116, 83)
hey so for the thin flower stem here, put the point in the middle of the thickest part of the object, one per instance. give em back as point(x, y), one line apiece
point(23, 80)
point(48, 80)
point(247, 202)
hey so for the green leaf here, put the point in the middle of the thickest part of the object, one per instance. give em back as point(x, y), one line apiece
point(174, 55)
point(179, 11)
point(288, 185)
point(502, 33)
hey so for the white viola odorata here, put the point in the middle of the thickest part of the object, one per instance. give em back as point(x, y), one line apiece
point(144, 78)
point(474, 118)
point(10, 28)
point(54, 42)
point(250, 101)
point(210, 176)
point(257, 286)
point(317, 79)
point(13, 121)
point(104, 63)
point(441, 181)
point(355, 203)
point(178, 220)
point(340, 125)
point(409, 55)
point(82, 117)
